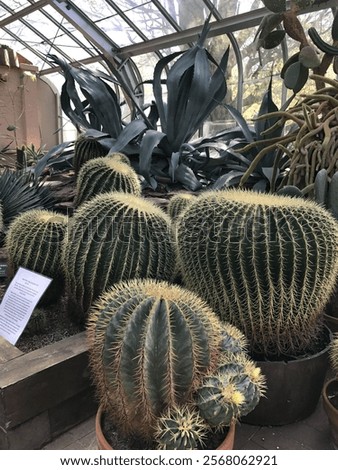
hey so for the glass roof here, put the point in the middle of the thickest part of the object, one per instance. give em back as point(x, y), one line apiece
point(143, 31)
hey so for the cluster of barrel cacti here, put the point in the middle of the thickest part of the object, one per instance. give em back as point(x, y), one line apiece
point(155, 351)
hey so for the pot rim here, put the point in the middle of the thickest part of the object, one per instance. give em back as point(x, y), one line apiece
point(226, 444)
point(325, 397)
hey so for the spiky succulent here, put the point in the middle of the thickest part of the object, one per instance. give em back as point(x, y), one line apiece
point(151, 343)
point(230, 392)
point(38, 322)
point(180, 428)
point(178, 203)
point(114, 237)
point(119, 157)
point(85, 149)
point(103, 175)
point(334, 354)
point(265, 263)
point(34, 241)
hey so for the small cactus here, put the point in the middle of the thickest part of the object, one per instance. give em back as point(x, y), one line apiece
point(180, 428)
point(178, 203)
point(232, 391)
point(37, 323)
point(85, 149)
point(113, 237)
point(150, 345)
point(34, 241)
point(103, 175)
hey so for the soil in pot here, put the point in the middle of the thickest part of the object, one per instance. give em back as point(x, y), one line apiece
point(108, 437)
point(294, 385)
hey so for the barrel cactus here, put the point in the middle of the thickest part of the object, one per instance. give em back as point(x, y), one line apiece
point(113, 237)
point(180, 428)
point(152, 345)
point(233, 390)
point(334, 354)
point(85, 149)
point(178, 203)
point(34, 241)
point(105, 174)
point(265, 263)
point(119, 157)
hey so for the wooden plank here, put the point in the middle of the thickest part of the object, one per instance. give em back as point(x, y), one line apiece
point(39, 380)
point(8, 351)
point(72, 412)
point(32, 434)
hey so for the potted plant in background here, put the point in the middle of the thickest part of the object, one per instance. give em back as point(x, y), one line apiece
point(266, 264)
point(167, 371)
point(330, 394)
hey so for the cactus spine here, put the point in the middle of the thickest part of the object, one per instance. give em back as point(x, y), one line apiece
point(233, 390)
point(106, 174)
point(114, 237)
point(180, 428)
point(334, 355)
point(85, 149)
point(150, 345)
point(34, 241)
point(267, 264)
point(178, 203)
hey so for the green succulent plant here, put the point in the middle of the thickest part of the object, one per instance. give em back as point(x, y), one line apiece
point(113, 237)
point(232, 390)
point(178, 203)
point(265, 263)
point(38, 322)
point(152, 344)
point(85, 149)
point(180, 428)
point(334, 354)
point(34, 241)
point(103, 175)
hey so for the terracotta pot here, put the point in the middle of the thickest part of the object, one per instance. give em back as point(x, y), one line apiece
point(331, 388)
point(103, 444)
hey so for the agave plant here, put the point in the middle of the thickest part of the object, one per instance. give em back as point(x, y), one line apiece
point(19, 193)
point(193, 91)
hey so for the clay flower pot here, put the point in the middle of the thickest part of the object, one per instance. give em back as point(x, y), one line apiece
point(103, 444)
point(330, 401)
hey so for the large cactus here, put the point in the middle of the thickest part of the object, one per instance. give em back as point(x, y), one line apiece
point(150, 345)
point(114, 237)
point(105, 174)
point(34, 241)
point(265, 263)
point(85, 149)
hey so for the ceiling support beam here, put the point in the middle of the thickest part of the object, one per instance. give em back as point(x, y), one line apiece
point(24, 12)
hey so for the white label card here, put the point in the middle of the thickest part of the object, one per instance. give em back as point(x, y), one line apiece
point(19, 301)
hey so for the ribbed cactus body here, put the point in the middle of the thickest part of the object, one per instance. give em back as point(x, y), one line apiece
point(180, 428)
point(34, 241)
point(267, 264)
point(151, 343)
point(85, 149)
point(232, 391)
point(119, 157)
point(334, 355)
point(103, 175)
point(178, 203)
point(114, 237)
